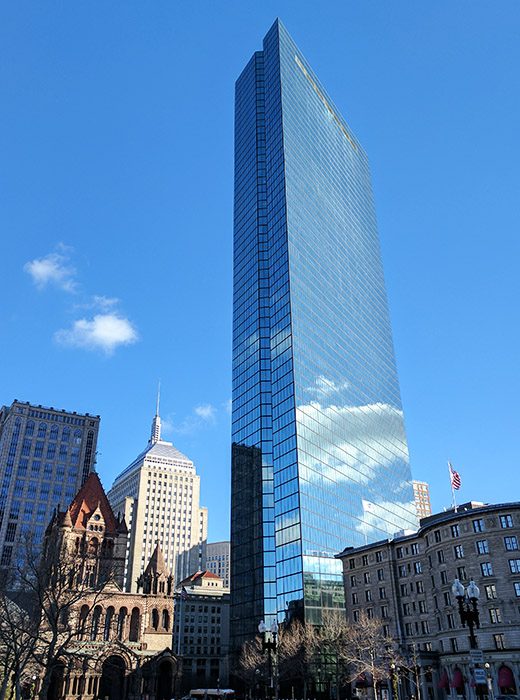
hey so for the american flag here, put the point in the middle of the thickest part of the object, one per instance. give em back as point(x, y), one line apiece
point(455, 478)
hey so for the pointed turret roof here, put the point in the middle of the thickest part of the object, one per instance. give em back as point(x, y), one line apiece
point(157, 565)
point(89, 498)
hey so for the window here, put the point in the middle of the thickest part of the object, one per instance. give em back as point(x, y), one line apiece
point(447, 598)
point(437, 534)
point(511, 543)
point(415, 548)
point(444, 577)
point(425, 627)
point(370, 613)
point(417, 567)
point(380, 575)
point(461, 573)
point(487, 569)
point(366, 576)
point(353, 581)
point(384, 611)
point(365, 559)
point(495, 616)
point(368, 596)
point(514, 566)
point(422, 606)
point(506, 521)
point(419, 587)
point(407, 609)
point(499, 641)
point(399, 552)
point(379, 557)
point(351, 564)
point(451, 621)
point(408, 629)
point(458, 550)
point(478, 525)
point(516, 585)
point(355, 615)
point(402, 570)
point(455, 531)
point(482, 547)
point(404, 589)
point(354, 598)
point(454, 644)
point(440, 556)
point(382, 593)
point(491, 591)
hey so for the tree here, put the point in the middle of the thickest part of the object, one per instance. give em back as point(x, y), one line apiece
point(364, 651)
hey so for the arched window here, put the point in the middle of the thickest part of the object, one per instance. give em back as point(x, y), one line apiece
point(29, 428)
point(121, 624)
point(155, 619)
point(93, 546)
point(135, 620)
point(65, 435)
point(109, 616)
point(165, 620)
point(53, 433)
point(42, 429)
point(83, 614)
point(96, 617)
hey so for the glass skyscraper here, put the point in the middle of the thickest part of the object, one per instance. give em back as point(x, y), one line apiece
point(319, 457)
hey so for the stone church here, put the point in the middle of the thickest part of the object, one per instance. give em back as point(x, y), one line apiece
point(121, 642)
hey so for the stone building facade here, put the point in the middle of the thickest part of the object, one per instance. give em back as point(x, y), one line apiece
point(121, 643)
point(201, 630)
point(407, 581)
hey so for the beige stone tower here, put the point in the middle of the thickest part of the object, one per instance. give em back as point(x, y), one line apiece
point(159, 497)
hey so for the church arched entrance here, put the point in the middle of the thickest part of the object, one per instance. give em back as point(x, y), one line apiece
point(112, 682)
point(165, 680)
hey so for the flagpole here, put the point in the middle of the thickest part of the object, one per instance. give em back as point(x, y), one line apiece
point(450, 471)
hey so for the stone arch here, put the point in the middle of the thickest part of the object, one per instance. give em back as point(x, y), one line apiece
point(121, 623)
point(135, 625)
point(166, 670)
point(165, 620)
point(109, 620)
point(96, 619)
point(82, 620)
point(155, 619)
point(112, 684)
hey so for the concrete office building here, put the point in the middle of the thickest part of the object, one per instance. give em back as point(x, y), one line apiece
point(407, 581)
point(45, 456)
point(218, 560)
point(158, 494)
point(421, 496)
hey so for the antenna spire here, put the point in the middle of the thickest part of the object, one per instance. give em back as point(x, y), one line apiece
point(156, 423)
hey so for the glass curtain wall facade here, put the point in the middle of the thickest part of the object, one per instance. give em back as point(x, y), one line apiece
point(319, 456)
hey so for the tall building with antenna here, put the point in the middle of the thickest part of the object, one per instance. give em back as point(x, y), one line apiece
point(159, 496)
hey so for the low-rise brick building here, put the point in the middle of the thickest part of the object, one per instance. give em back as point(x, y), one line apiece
point(407, 581)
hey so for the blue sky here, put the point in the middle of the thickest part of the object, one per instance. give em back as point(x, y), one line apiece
point(116, 183)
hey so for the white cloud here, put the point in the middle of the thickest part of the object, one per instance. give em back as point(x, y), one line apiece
point(325, 387)
point(98, 302)
point(386, 517)
point(103, 332)
point(228, 406)
point(206, 411)
point(53, 269)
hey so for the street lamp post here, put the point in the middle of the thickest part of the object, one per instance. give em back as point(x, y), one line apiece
point(468, 610)
point(270, 645)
